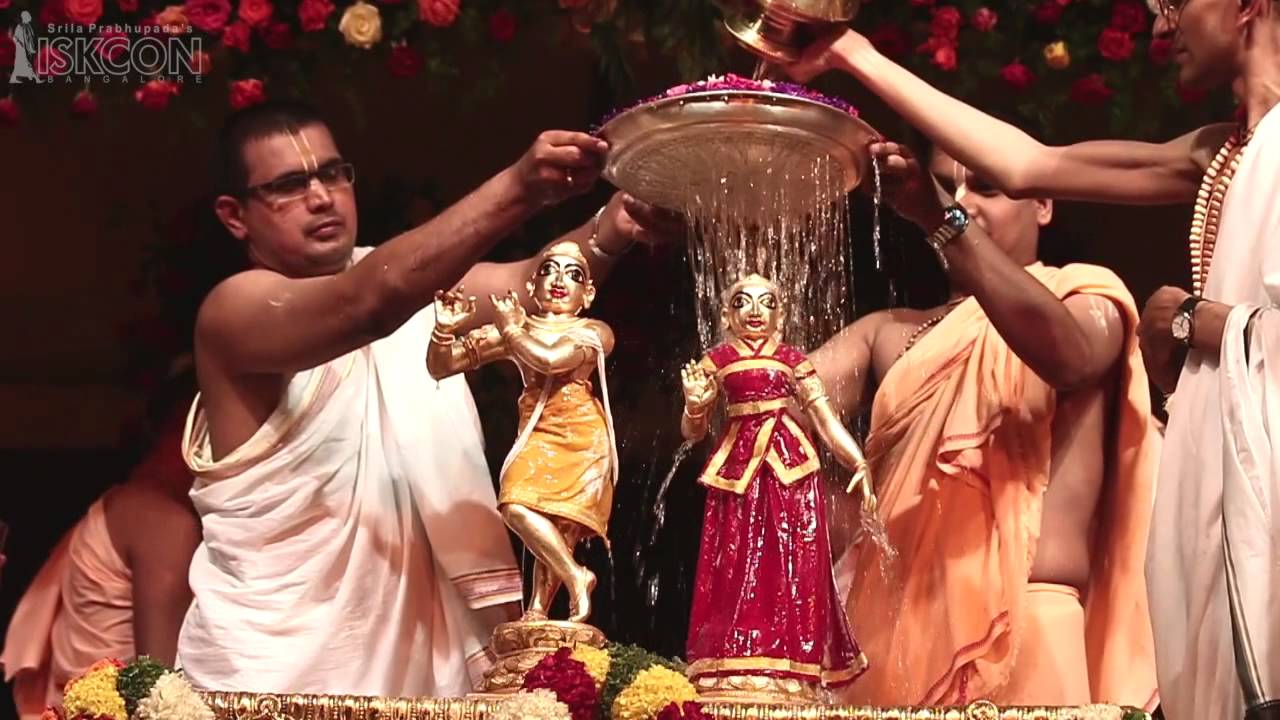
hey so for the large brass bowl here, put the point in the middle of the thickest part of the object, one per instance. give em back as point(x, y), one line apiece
point(670, 150)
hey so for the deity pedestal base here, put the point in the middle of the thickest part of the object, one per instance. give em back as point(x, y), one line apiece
point(520, 645)
point(757, 689)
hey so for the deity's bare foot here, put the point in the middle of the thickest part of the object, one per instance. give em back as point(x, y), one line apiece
point(580, 599)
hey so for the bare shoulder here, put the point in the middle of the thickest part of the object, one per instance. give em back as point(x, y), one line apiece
point(1204, 143)
point(227, 305)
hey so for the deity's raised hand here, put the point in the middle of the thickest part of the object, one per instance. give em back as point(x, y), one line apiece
point(509, 310)
point(453, 309)
point(699, 387)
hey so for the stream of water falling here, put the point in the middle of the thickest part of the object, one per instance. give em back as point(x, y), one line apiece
point(790, 223)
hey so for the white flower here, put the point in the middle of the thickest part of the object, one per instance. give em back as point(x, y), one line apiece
point(172, 698)
point(536, 705)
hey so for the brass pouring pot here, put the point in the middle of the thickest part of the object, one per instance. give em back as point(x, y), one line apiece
point(778, 30)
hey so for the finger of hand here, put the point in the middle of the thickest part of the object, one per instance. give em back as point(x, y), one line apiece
point(588, 143)
point(570, 156)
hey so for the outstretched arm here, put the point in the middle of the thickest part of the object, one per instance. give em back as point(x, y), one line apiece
point(1099, 171)
point(1069, 343)
point(621, 223)
point(450, 354)
point(261, 321)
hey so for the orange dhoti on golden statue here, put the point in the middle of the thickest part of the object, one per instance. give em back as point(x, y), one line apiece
point(563, 467)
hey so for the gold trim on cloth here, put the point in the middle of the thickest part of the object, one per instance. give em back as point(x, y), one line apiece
point(746, 664)
point(758, 407)
point(714, 479)
point(756, 363)
point(255, 706)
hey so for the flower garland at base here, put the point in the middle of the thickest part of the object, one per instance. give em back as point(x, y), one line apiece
point(621, 682)
point(141, 690)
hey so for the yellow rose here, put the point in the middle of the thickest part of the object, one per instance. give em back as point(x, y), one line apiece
point(361, 25)
point(1056, 55)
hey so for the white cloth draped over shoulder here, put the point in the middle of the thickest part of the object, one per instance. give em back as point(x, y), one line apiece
point(1215, 517)
point(348, 543)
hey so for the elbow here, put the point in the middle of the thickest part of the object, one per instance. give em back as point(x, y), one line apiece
point(381, 311)
point(437, 367)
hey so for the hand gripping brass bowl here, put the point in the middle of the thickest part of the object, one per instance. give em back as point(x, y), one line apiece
point(668, 151)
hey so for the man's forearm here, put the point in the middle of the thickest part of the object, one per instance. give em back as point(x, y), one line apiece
point(408, 270)
point(990, 147)
point(1032, 320)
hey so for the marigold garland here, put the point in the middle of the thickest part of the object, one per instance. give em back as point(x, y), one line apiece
point(653, 689)
point(94, 694)
point(597, 662)
point(625, 664)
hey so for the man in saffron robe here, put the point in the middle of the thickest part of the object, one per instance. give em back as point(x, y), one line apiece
point(1013, 451)
point(1215, 545)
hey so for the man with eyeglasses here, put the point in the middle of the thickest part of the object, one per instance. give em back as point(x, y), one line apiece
point(1213, 560)
point(352, 542)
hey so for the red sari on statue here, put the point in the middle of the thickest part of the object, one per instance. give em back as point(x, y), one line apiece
point(765, 596)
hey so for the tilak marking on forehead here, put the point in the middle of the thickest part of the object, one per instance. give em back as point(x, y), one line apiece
point(308, 158)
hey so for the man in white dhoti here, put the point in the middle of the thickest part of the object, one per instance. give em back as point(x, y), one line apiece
point(1214, 554)
point(351, 539)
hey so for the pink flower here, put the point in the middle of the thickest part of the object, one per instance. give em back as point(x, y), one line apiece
point(4, 4)
point(946, 22)
point(53, 13)
point(440, 13)
point(115, 43)
point(156, 94)
point(84, 103)
point(404, 62)
point(9, 113)
point(237, 36)
point(1048, 12)
point(984, 19)
point(201, 63)
point(85, 12)
point(277, 36)
point(891, 40)
point(173, 19)
point(314, 14)
point(1017, 76)
point(1129, 16)
point(1115, 45)
point(944, 56)
point(256, 13)
point(1091, 90)
point(246, 93)
point(502, 25)
point(1161, 51)
point(209, 16)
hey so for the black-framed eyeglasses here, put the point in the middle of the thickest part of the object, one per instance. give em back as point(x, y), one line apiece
point(297, 185)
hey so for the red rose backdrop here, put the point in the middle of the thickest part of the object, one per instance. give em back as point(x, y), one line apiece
point(1062, 67)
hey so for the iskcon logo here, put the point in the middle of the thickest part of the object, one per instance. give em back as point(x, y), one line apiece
point(103, 53)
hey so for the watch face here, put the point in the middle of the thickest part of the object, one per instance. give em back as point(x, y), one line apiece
point(956, 217)
point(1181, 327)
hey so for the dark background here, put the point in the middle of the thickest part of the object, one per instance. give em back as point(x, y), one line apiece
point(107, 250)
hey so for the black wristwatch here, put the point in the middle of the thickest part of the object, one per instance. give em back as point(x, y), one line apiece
point(1184, 320)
